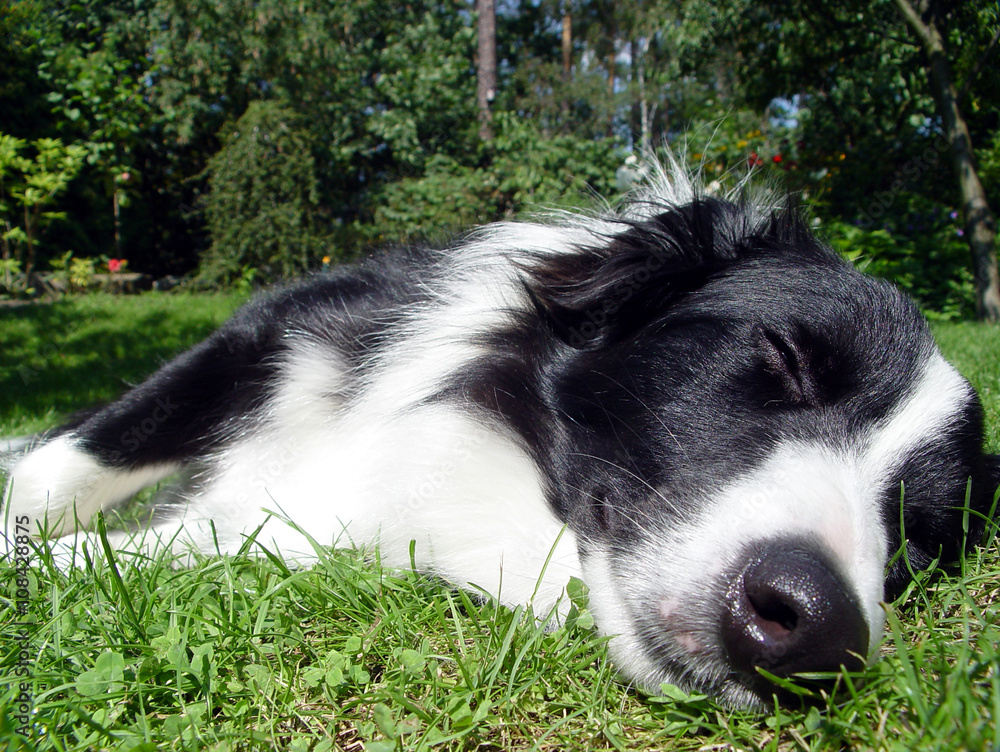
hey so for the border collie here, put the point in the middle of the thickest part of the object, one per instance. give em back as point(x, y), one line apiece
point(689, 403)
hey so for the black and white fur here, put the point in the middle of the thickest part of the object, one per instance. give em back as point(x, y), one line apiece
point(690, 403)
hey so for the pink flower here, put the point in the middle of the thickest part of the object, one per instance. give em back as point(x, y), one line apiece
point(114, 265)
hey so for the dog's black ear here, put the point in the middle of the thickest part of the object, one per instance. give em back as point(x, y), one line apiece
point(598, 296)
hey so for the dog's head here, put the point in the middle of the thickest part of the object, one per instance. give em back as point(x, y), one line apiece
point(750, 430)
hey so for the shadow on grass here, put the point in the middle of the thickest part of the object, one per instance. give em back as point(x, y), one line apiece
point(58, 358)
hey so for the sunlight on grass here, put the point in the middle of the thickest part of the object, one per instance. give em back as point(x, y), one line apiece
point(974, 349)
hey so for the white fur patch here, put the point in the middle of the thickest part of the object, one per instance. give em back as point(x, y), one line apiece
point(58, 484)
point(311, 386)
point(940, 394)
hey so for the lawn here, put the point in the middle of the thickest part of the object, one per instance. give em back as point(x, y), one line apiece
point(245, 653)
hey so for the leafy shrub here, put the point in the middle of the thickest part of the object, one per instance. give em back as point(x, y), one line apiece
point(923, 252)
point(12, 279)
point(521, 169)
point(988, 159)
point(262, 203)
point(31, 177)
point(426, 89)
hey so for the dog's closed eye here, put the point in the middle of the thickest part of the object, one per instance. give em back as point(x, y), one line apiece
point(788, 363)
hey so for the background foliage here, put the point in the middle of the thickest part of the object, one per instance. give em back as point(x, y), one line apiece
point(380, 135)
point(261, 206)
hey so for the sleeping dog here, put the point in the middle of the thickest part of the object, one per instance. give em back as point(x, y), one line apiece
point(689, 403)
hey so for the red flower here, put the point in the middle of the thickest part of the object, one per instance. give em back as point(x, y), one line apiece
point(754, 160)
point(114, 265)
point(776, 158)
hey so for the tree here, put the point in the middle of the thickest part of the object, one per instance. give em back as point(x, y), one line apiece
point(87, 65)
point(262, 200)
point(424, 96)
point(22, 91)
point(487, 70)
point(413, 129)
point(869, 143)
point(28, 187)
point(979, 220)
point(102, 97)
point(567, 57)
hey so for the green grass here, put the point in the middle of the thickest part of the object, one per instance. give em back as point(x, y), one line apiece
point(83, 351)
point(245, 654)
point(975, 350)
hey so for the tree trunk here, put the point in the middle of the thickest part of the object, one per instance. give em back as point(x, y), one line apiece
point(116, 208)
point(567, 63)
point(612, 65)
point(486, 79)
point(635, 116)
point(980, 224)
point(567, 42)
point(30, 218)
point(645, 124)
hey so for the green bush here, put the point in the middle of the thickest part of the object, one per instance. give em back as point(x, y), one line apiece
point(262, 202)
point(32, 175)
point(921, 251)
point(988, 159)
point(522, 169)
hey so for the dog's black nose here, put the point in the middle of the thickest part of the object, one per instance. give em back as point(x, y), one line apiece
point(790, 612)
